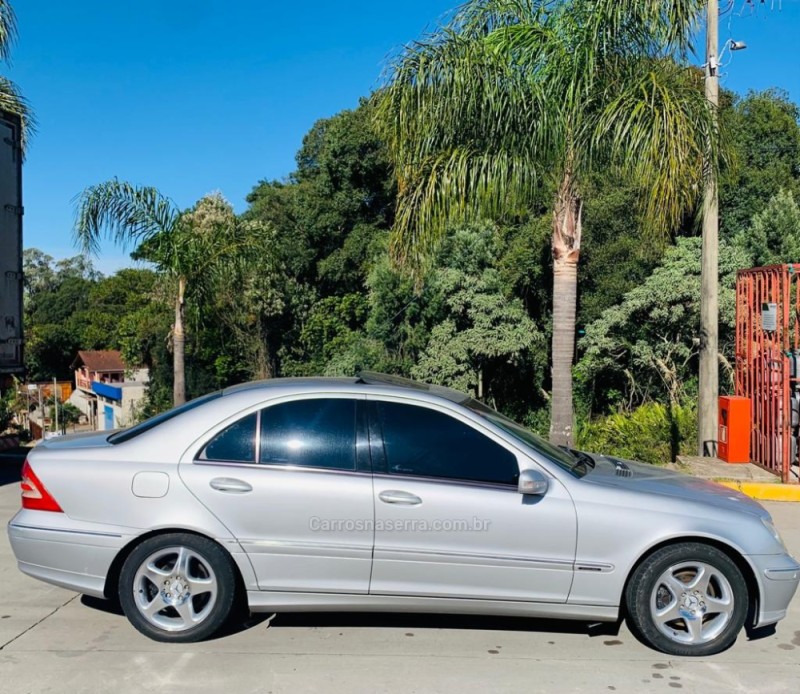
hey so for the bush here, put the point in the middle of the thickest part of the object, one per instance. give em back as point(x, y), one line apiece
point(652, 433)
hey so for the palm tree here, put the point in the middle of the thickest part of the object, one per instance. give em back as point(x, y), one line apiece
point(11, 100)
point(193, 247)
point(515, 97)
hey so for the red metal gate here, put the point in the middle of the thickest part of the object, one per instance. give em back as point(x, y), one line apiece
point(767, 361)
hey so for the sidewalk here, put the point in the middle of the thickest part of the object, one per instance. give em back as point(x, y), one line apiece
point(746, 478)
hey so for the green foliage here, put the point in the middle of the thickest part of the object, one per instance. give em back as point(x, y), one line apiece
point(7, 412)
point(652, 433)
point(68, 414)
point(330, 216)
point(617, 255)
point(774, 234)
point(11, 99)
point(481, 332)
point(303, 283)
point(55, 294)
point(330, 330)
point(646, 347)
point(511, 94)
point(764, 137)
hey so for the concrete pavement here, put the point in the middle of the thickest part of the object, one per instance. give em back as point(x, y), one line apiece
point(52, 640)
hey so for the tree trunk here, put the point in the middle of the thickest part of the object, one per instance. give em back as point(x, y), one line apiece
point(262, 360)
point(179, 347)
point(566, 246)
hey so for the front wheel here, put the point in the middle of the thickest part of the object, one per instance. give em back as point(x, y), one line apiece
point(177, 587)
point(688, 599)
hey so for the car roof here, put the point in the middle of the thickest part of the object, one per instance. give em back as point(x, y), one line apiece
point(366, 378)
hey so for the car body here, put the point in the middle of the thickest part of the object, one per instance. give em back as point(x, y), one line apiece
point(380, 494)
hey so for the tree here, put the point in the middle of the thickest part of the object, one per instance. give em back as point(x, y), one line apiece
point(329, 222)
point(763, 133)
point(11, 99)
point(68, 414)
point(190, 247)
point(513, 94)
point(56, 297)
point(334, 207)
point(646, 347)
point(482, 330)
point(774, 233)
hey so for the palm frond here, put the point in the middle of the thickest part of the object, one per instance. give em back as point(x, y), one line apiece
point(12, 101)
point(8, 29)
point(657, 124)
point(457, 186)
point(474, 114)
point(461, 121)
point(125, 213)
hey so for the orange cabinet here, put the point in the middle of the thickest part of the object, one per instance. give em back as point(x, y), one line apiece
point(734, 429)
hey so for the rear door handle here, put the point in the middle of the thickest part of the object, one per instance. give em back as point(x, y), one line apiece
point(395, 496)
point(230, 485)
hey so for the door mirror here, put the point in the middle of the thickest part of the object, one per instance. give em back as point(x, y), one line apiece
point(532, 482)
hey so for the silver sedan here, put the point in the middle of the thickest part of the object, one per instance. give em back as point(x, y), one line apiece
point(380, 494)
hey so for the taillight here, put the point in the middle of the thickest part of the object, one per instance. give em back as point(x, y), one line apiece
point(35, 494)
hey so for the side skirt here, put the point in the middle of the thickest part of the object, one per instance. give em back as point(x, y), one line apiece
point(274, 601)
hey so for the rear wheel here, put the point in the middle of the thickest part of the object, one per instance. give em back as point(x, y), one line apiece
point(688, 599)
point(177, 587)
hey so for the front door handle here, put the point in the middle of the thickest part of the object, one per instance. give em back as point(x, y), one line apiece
point(230, 485)
point(394, 496)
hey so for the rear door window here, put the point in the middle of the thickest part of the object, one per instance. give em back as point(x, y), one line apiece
point(234, 444)
point(316, 433)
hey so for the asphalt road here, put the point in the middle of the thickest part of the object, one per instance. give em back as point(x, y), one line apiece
point(52, 640)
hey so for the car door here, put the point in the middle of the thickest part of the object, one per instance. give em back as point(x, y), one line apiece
point(290, 484)
point(449, 521)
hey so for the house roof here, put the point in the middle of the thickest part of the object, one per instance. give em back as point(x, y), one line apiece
point(99, 360)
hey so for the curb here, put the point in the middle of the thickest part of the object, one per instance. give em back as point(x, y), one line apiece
point(765, 491)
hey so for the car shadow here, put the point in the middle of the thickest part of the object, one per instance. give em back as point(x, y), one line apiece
point(107, 606)
point(405, 620)
point(241, 622)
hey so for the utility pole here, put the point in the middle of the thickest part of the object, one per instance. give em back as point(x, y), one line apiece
point(41, 410)
point(55, 403)
point(709, 278)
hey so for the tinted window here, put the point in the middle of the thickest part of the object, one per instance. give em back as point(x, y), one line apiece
point(235, 444)
point(312, 433)
point(419, 441)
point(561, 457)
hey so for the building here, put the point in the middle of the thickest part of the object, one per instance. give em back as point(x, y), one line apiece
point(105, 391)
point(104, 366)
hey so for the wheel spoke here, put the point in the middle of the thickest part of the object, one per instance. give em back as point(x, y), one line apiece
point(155, 575)
point(182, 562)
point(155, 606)
point(198, 586)
point(668, 613)
point(674, 585)
point(695, 629)
point(701, 579)
point(186, 612)
point(718, 606)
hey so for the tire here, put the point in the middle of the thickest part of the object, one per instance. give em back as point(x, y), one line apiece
point(177, 587)
point(688, 599)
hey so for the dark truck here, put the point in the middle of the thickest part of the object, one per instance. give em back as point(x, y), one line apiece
point(11, 337)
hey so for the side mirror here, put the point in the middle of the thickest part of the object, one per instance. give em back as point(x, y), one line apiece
point(532, 482)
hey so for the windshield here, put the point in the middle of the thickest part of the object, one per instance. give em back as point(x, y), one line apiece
point(561, 457)
point(147, 424)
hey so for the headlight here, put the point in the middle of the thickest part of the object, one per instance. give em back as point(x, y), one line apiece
point(773, 531)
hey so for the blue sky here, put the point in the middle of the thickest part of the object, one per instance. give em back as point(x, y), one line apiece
point(199, 95)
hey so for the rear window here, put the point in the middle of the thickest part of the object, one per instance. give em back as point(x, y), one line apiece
point(146, 425)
